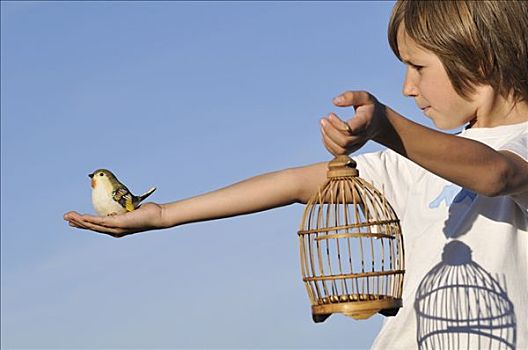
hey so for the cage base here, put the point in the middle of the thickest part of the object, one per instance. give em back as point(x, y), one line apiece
point(358, 310)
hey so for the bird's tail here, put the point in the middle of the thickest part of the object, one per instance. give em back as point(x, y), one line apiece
point(146, 194)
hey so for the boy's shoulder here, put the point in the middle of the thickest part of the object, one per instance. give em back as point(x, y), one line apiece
point(513, 138)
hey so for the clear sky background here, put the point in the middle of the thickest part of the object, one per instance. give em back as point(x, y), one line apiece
point(188, 97)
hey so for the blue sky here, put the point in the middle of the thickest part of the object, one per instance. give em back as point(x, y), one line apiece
point(188, 97)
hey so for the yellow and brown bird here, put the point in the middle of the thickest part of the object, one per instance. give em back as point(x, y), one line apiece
point(111, 197)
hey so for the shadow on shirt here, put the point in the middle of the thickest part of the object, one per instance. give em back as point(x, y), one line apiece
point(465, 206)
point(459, 305)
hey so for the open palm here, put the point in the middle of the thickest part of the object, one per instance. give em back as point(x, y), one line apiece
point(147, 217)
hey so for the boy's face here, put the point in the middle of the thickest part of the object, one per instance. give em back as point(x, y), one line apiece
point(428, 83)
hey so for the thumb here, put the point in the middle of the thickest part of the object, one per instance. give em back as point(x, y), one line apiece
point(354, 98)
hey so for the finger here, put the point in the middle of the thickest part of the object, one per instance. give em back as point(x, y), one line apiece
point(115, 225)
point(334, 131)
point(121, 221)
point(84, 222)
point(73, 224)
point(331, 151)
point(331, 146)
point(353, 98)
point(97, 220)
point(357, 125)
point(114, 232)
point(70, 214)
point(77, 220)
point(340, 144)
point(340, 124)
point(360, 124)
point(77, 223)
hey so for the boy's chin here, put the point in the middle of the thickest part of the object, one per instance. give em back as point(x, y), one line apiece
point(446, 125)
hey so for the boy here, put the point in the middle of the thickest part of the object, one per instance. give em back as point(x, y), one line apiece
point(462, 200)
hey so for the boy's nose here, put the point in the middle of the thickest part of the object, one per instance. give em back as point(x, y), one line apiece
point(409, 86)
point(409, 90)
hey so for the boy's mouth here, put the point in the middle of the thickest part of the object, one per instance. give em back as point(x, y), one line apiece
point(425, 109)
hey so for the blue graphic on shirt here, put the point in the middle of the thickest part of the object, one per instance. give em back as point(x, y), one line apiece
point(452, 194)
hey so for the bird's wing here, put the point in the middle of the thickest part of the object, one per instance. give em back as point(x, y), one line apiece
point(123, 196)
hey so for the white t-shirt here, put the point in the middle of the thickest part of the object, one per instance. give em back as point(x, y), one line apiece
point(466, 279)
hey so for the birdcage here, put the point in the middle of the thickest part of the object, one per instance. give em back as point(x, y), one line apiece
point(351, 247)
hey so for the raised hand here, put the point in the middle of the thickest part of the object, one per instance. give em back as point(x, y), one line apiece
point(342, 137)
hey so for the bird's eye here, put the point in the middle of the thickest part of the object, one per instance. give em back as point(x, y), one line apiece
point(101, 174)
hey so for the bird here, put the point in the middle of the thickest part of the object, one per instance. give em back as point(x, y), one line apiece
point(111, 197)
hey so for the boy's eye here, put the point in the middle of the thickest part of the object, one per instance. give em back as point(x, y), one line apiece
point(418, 68)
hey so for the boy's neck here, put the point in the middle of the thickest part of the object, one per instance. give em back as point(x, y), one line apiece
point(500, 111)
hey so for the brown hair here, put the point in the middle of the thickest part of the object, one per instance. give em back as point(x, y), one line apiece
point(478, 42)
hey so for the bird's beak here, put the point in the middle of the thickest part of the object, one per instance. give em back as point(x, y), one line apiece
point(93, 180)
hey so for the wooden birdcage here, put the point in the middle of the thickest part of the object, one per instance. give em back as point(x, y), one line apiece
point(351, 247)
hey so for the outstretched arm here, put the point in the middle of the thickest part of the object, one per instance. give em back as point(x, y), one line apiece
point(255, 194)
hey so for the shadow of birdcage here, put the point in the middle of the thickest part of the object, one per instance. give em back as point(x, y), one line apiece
point(459, 305)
